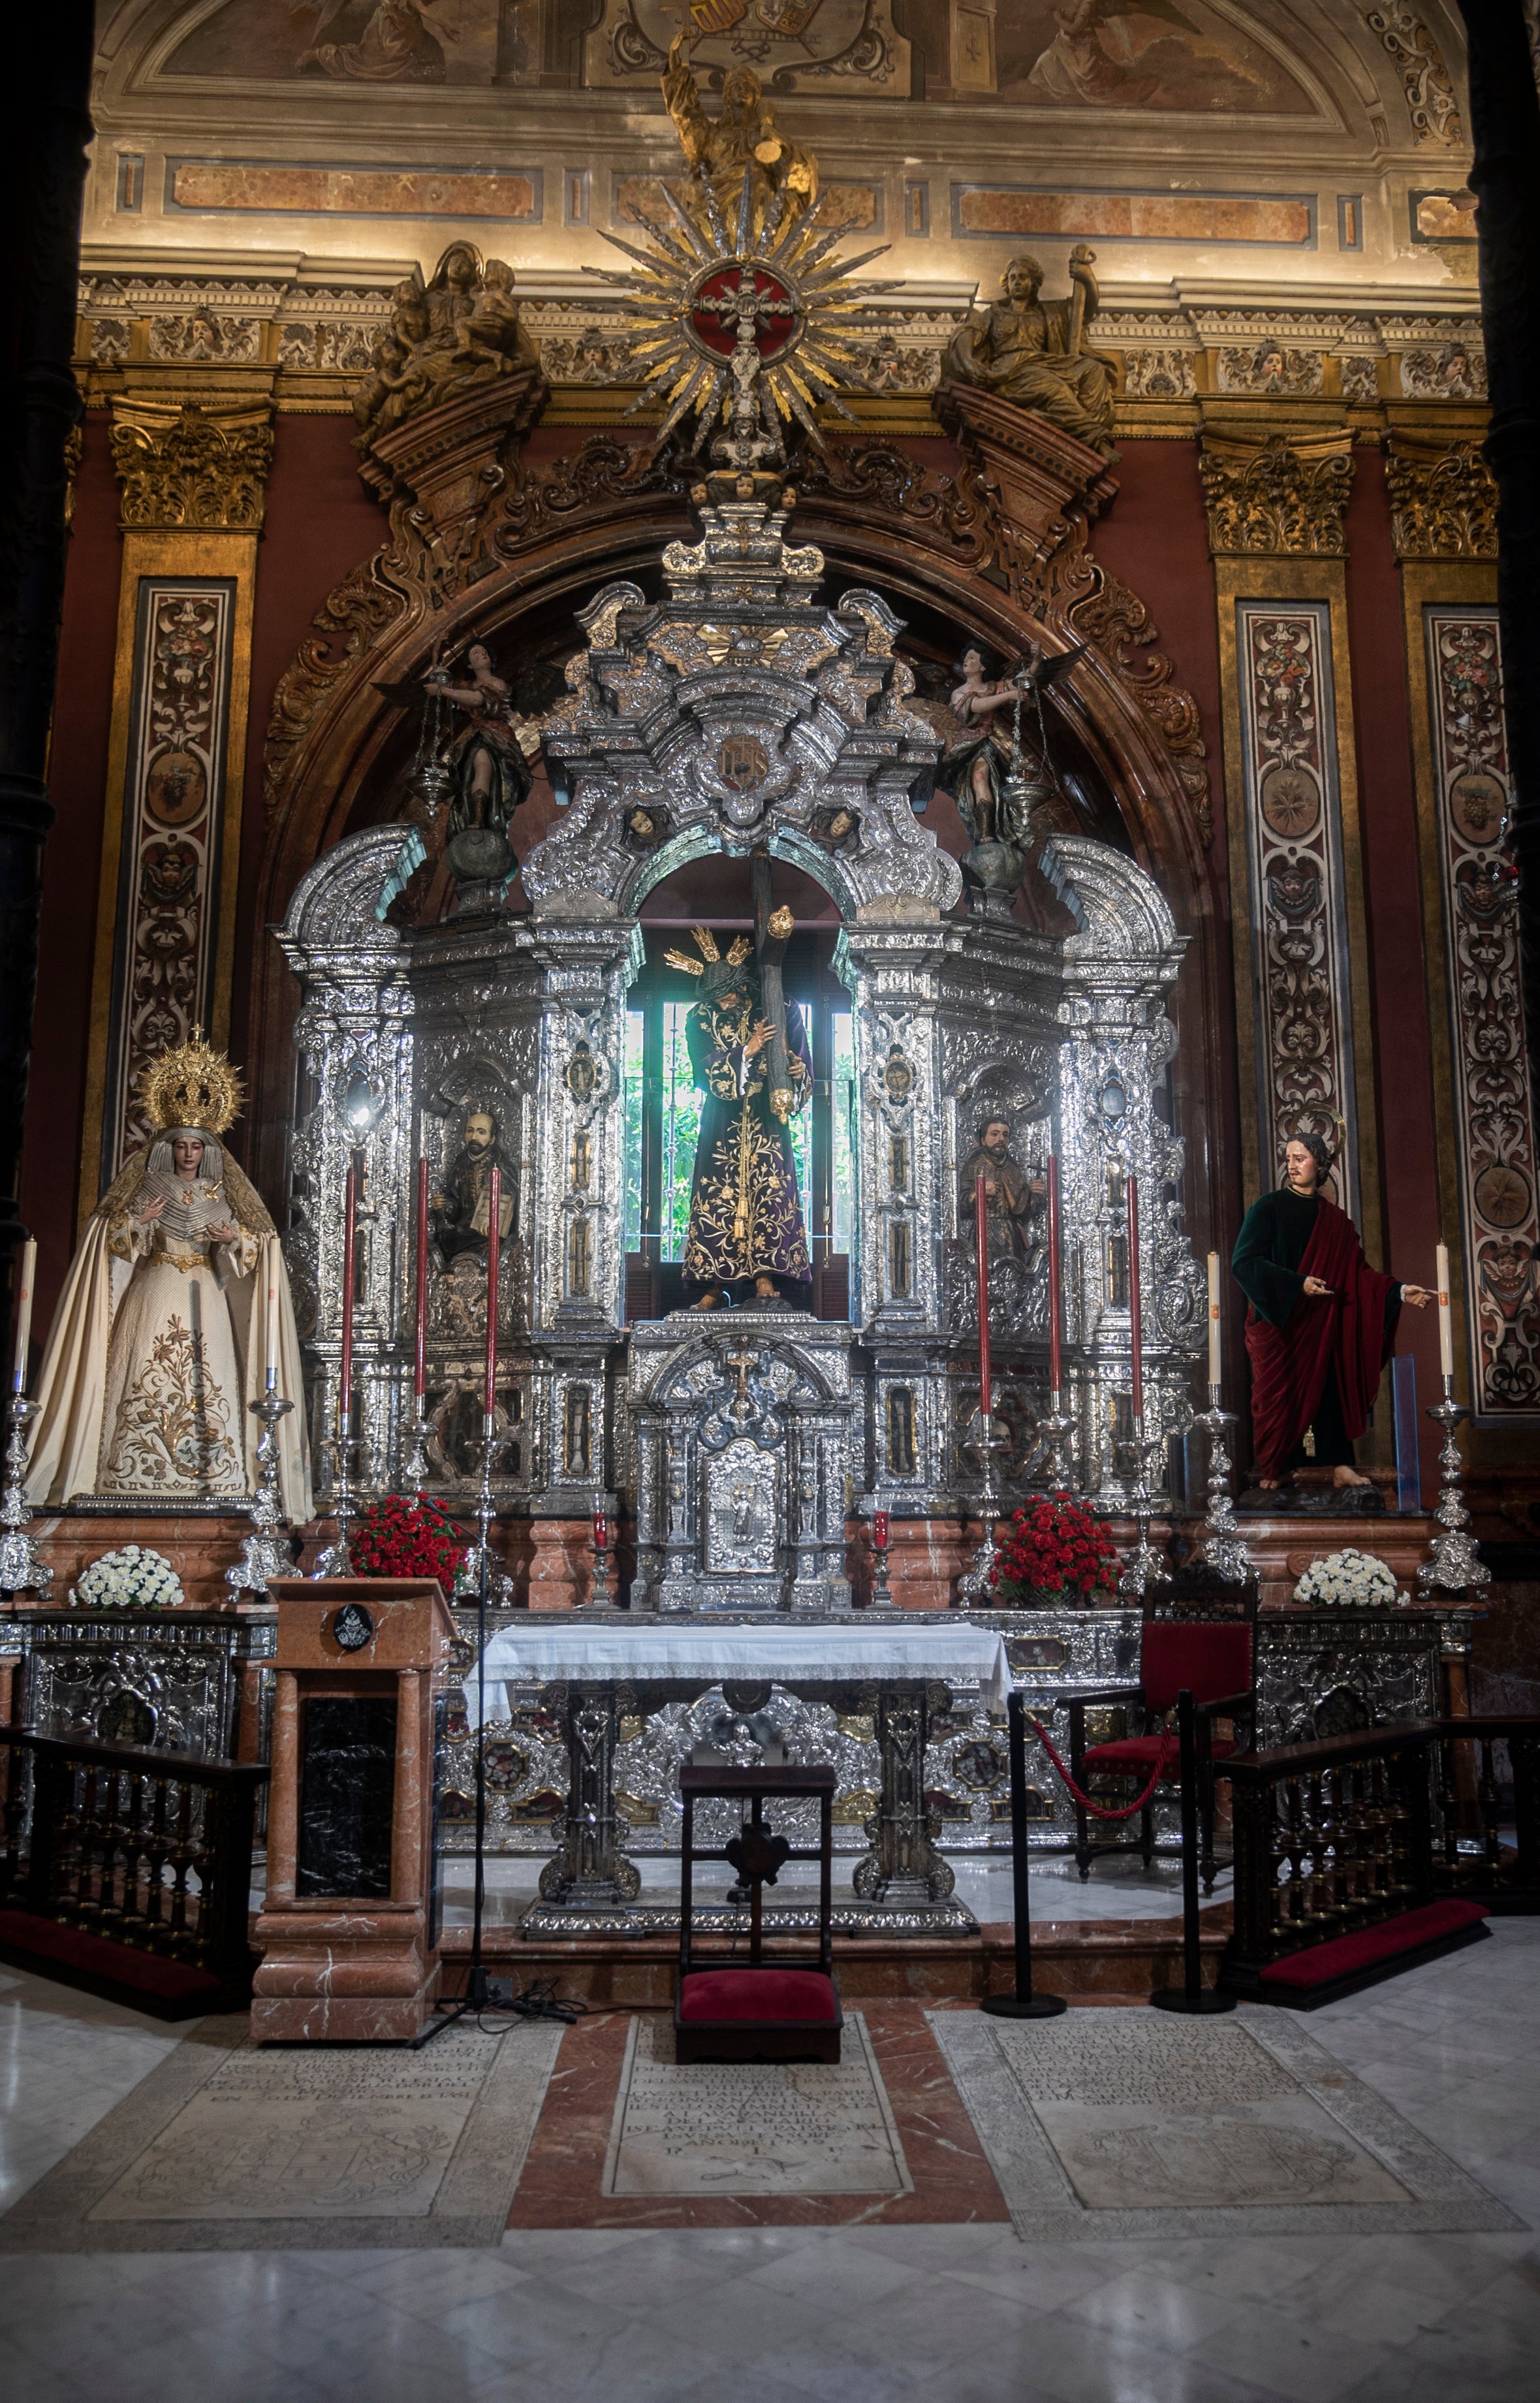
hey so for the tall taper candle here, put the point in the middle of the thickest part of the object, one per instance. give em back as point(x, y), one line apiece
point(272, 1340)
point(350, 1278)
point(27, 1279)
point(1136, 1346)
point(495, 1215)
point(1056, 1364)
point(1214, 1376)
point(419, 1370)
point(981, 1229)
point(1446, 1317)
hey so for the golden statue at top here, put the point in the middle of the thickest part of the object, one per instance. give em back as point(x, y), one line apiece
point(744, 136)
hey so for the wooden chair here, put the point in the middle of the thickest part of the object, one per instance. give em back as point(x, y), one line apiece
point(1212, 1654)
point(758, 2010)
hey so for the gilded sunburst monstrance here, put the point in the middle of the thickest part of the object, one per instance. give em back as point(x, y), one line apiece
point(723, 315)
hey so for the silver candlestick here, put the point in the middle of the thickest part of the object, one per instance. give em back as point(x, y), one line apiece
point(1143, 1567)
point(416, 1468)
point(20, 1570)
point(336, 1559)
point(1221, 1544)
point(882, 1592)
point(975, 1591)
point(1452, 1566)
point(1055, 1431)
point(268, 1550)
point(479, 1559)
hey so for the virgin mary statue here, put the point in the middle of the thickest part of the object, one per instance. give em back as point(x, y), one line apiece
point(176, 1304)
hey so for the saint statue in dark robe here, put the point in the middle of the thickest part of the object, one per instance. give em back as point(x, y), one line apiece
point(1320, 1323)
point(745, 1224)
point(1014, 1215)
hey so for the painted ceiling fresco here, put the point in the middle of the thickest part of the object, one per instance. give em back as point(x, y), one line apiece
point(1180, 56)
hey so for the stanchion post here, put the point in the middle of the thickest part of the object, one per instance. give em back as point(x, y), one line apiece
point(1023, 2003)
point(1191, 1995)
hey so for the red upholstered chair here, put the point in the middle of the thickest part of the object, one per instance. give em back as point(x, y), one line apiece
point(1212, 1658)
point(758, 2010)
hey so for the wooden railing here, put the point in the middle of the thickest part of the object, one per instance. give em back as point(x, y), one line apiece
point(1505, 1878)
point(1329, 1837)
point(147, 1849)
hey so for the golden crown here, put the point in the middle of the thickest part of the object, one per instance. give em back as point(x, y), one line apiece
point(738, 951)
point(193, 1086)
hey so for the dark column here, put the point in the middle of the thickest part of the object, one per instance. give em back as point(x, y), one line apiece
point(1504, 122)
point(45, 125)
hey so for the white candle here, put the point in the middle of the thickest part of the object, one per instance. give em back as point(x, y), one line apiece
point(272, 1338)
point(1446, 1318)
point(23, 1312)
point(1214, 1378)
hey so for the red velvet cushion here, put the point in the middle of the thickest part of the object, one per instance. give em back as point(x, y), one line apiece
point(1210, 1660)
point(758, 1995)
point(99, 1958)
point(1142, 1752)
point(1321, 1963)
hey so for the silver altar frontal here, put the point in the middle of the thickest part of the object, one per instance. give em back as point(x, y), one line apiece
point(736, 715)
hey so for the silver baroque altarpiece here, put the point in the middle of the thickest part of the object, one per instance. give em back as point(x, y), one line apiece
point(747, 1440)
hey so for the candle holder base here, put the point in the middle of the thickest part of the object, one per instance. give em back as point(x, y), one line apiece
point(336, 1559)
point(1452, 1566)
point(20, 1570)
point(416, 1468)
point(1053, 1432)
point(268, 1551)
point(882, 1592)
point(1221, 1544)
point(1144, 1565)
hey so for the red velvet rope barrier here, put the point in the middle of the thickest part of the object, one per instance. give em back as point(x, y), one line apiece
point(1170, 1747)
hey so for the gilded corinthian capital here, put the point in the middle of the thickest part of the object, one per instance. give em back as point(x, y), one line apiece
point(199, 470)
point(1279, 496)
point(1443, 500)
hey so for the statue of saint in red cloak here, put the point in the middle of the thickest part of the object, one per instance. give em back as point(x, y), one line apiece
point(1320, 1323)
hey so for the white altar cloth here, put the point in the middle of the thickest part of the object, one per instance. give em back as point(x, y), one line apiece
point(530, 1654)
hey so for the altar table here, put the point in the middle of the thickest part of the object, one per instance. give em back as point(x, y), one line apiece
point(596, 1669)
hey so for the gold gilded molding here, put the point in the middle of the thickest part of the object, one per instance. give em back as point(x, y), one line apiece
point(1282, 496)
point(180, 465)
point(1443, 500)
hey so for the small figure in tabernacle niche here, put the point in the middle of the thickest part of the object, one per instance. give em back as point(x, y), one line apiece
point(1320, 1326)
point(1015, 1222)
point(461, 1209)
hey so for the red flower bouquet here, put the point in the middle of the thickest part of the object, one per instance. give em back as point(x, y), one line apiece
point(1051, 1550)
point(397, 1538)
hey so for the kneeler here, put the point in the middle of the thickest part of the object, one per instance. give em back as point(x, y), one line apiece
point(1212, 1659)
point(758, 2010)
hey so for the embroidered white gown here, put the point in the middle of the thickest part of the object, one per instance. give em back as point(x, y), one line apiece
point(160, 1344)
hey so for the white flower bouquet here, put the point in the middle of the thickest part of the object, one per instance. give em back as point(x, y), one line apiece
point(1348, 1580)
point(130, 1579)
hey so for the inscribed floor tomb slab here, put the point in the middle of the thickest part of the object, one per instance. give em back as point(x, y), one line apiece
point(1120, 2124)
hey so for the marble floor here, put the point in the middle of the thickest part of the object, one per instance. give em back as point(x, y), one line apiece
point(1116, 1889)
point(956, 2314)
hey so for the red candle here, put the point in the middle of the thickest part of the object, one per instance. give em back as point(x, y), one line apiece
point(350, 1278)
point(981, 1226)
point(495, 1215)
point(1056, 1366)
point(420, 1377)
point(601, 1532)
point(1136, 1349)
point(880, 1530)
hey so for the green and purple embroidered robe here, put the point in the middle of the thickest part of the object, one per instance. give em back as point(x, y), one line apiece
point(746, 1216)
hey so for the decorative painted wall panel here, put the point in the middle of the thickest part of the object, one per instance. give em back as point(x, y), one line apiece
point(172, 814)
point(1293, 840)
point(1493, 1107)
